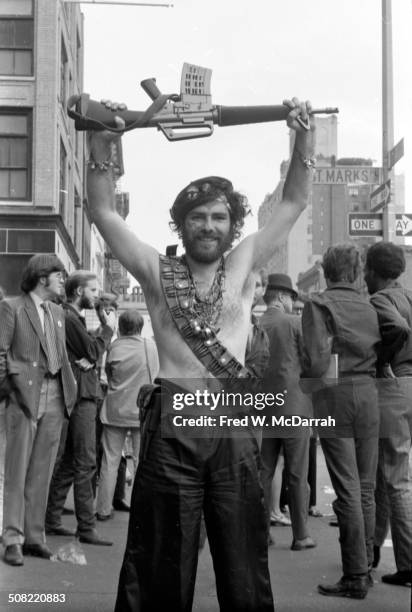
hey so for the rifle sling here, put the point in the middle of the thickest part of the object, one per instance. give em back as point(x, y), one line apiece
point(175, 280)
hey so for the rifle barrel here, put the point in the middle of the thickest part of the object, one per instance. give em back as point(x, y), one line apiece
point(239, 115)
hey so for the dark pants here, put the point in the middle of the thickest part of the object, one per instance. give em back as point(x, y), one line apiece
point(351, 454)
point(176, 478)
point(312, 470)
point(296, 453)
point(76, 467)
point(394, 482)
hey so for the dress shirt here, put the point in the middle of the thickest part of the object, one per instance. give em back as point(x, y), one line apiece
point(38, 302)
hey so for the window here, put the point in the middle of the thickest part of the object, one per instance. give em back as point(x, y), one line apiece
point(86, 241)
point(79, 56)
point(63, 181)
point(77, 221)
point(16, 38)
point(15, 155)
point(29, 241)
point(63, 72)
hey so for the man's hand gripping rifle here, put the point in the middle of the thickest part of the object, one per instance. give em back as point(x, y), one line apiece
point(180, 117)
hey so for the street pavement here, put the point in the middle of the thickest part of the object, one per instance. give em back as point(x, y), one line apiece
point(294, 575)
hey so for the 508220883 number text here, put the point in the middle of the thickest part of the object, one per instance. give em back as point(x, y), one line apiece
point(37, 598)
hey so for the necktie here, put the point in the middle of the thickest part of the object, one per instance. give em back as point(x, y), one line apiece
point(51, 340)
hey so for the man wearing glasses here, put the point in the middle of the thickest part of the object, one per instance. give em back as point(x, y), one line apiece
point(36, 376)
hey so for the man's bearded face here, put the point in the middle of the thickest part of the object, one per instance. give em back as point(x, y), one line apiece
point(207, 232)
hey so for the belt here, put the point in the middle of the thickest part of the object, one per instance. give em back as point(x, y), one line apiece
point(52, 376)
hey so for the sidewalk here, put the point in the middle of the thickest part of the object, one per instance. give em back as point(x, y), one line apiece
point(294, 575)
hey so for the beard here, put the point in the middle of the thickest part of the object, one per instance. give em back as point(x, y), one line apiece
point(207, 247)
point(85, 303)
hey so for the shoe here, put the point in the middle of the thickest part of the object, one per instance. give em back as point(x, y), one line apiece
point(13, 554)
point(313, 511)
point(334, 523)
point(37, 550)
point(279, 519)
point(376, 556)
point(93, 538)
point(355, 587)
point(104, 517)
point(67, 511)
point(403, 578)
point(121, 505)
point(303, 544)
point(59, 530)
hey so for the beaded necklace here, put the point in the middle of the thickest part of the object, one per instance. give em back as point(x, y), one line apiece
point(205, 311)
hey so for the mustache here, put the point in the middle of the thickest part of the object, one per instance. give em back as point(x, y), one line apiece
point(205, 234)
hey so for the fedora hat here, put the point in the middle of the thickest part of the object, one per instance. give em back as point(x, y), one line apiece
point(283, 282)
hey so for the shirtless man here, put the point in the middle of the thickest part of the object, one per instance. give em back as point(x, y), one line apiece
point(178, 477)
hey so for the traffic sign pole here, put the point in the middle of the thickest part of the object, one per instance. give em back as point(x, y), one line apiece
point(387, 117)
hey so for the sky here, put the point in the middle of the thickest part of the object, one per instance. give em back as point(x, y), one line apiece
point(260, 52)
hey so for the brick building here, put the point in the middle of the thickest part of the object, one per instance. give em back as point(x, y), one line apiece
point(42, 157)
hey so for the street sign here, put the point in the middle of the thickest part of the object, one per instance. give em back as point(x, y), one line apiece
point(404, 225)
point(371, 224)
point(396, 153)
point(342, 175)
point(365, 224)
point(381, 196)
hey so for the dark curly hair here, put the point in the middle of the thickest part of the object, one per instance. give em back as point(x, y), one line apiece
point(204, 190)
point(386, 259)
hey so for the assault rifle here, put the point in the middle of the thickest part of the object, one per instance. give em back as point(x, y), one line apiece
point(189, 114)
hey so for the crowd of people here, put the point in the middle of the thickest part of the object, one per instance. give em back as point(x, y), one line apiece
point(348, 358)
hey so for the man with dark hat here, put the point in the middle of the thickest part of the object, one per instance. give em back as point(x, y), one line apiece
point(282, 376)
point(200, 308)
point(35, 373)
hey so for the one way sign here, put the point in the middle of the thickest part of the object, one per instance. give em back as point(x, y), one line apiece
point(403, 225)
point(371, 224)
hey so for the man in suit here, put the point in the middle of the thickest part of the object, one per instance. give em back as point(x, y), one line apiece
point(36, 376)
point(76, 464)
point(282, 375)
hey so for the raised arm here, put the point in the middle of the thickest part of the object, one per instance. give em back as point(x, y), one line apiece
point(256, 250)
point(139, 258)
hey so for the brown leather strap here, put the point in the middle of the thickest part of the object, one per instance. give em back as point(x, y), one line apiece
point(209, 350)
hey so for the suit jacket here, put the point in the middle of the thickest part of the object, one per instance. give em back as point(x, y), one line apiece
point(23, 353)
point(285, 362)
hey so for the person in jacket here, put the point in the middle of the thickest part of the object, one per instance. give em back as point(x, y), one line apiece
point(131, 362)
point(76, 463)
point(341, 325)
point(282, 376)
point(36, 379)
point(385, 262)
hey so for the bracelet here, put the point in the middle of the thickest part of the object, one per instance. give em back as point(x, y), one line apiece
point(103, 166)
point(308, 162)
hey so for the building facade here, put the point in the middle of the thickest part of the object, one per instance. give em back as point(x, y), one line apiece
point(340, 187)
point(42, 158)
